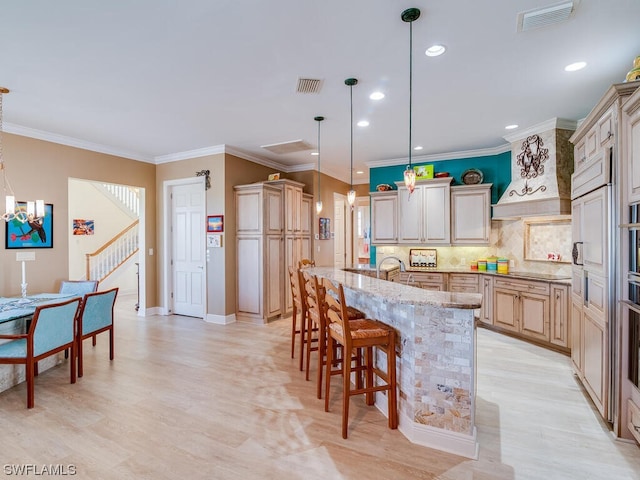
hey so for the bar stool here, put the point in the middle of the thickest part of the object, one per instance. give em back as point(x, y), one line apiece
point(298, 315)
point(364, 334)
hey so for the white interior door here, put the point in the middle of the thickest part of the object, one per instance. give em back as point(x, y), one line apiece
point(342, 241)
point(188, 251)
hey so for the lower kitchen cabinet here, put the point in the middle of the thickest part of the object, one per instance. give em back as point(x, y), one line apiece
point(522, 307)
point(595, 376)
point(559, 315)
point(427, 280)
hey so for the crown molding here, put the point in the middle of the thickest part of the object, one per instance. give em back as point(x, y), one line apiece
point(73, 142)
point(252, 158)
point(187, 154)
point(552, 124)
point(438, 157)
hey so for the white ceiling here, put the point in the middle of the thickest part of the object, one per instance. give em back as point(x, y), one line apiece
point(149, 79)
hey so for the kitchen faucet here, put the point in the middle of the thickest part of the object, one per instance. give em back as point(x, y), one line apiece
point(402, 267)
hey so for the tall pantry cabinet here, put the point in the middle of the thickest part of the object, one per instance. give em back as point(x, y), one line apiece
point(273, 231)
point(595, 194)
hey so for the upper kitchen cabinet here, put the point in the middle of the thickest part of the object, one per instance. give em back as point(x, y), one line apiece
point(384, 213)
point(424, 217)
point(471, 214)
point(598, 140)
point(631, 121)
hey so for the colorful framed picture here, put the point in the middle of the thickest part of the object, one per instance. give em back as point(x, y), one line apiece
point(324, 229)
point(83, 227)
point(34, 232)
point(215, 223)
point(423, 171)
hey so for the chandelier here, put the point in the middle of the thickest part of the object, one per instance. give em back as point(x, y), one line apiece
point(15, 211)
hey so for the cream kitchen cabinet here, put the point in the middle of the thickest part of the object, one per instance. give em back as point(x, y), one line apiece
point(559, 315)
point(427, 280)
point(631, 122)
point(384, 213)
point(463, 282)
point(471, 214)
point(424, 217)
point(522, 307)
point(486, 310)
point(273, 232)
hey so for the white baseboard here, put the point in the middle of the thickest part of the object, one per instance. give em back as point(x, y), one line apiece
point(153, 311)
point(220, 319)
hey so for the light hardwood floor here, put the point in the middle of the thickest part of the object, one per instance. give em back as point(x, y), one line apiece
point(187, 399)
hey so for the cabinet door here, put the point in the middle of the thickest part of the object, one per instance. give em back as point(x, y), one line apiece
point(486, 311)
point(437, 214)
point(306, 215)
point(249, 212)
point(273, 276)
point(249, 276)
point(470, 215)
point(595, 366)
point(292, 205)
point(383, 218)
point(595, 208)
point(559, 334)
point(576, 335)
point(631, 122)
point(505, 309)
point(534, 315)
point(410, 216)
point(273, 212)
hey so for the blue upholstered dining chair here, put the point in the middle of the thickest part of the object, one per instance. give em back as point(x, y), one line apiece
point(52, 330)
point(96, 316)
point(78, 287)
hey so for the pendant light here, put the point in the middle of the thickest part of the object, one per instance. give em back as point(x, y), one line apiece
point(410, 15)
point(34, 211)
point(351, 196)
point(319, 202)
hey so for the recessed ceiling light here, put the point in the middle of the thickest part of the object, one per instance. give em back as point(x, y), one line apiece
point(418, 147)
point(363, 123)
point(376, 96)
point(511, 127)
point(359, 172)
point(575, 66)
point(314, 153)
point(435, 50)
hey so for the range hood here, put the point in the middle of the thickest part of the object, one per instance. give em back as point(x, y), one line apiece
point(541, 168)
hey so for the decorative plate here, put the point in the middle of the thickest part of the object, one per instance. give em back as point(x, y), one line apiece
point(472, 176)
point(383, 187)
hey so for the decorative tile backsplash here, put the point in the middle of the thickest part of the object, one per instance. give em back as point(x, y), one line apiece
point(507, 240)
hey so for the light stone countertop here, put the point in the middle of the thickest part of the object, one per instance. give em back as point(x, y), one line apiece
point(544, 277)
point(397, 292)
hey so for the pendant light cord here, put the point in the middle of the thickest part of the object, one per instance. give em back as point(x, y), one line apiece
point(318, 120)
point(410, 85)
point(351, 104)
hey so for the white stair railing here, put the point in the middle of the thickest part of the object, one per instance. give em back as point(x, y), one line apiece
point(105, 260)
point(127, 197)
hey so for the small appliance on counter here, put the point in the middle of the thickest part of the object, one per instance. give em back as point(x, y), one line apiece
point(423, 257)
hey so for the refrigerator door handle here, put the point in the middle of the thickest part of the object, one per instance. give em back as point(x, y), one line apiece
point(586, 289)
point(577, 252)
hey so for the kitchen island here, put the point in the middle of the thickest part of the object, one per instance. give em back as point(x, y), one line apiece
point(437, 351)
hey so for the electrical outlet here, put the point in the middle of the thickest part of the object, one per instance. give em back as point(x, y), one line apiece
point(463, 261)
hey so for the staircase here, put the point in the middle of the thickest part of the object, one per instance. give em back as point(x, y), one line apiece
point(104, 261)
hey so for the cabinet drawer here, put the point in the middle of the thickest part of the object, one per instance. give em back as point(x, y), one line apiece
point(425, 277)
point(463, 279)
point(522, 286)
point(463, 288)
point(633, 418)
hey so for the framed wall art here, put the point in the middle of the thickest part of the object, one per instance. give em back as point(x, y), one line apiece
point(325, 229)
point(83, 227)
point(35, 232)
point(215, 223)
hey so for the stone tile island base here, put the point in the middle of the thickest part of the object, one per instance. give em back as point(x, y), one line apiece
point(436, 357)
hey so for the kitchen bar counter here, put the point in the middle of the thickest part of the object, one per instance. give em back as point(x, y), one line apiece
point(437, 354)
point(389, 269)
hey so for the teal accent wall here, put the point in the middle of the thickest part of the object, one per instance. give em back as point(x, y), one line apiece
point(496, 169)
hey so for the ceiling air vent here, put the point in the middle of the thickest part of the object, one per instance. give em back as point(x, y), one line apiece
point(309, 85)
point(543, 17)
point(287, 147)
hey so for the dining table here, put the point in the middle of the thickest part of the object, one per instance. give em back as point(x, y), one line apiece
point(16, 308)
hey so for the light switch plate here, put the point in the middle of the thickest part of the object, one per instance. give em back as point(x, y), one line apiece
point(25, 256)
